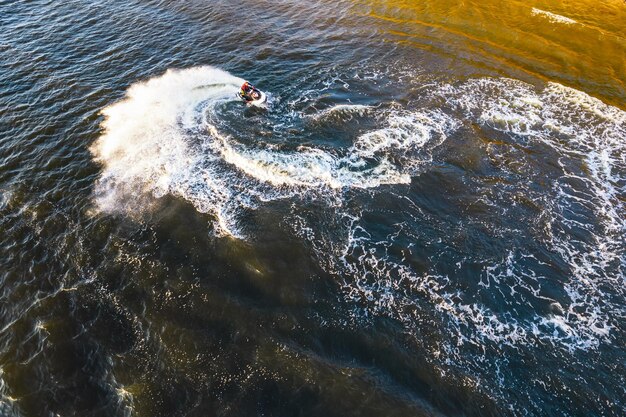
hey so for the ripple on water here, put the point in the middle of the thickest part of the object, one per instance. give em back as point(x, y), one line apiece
point(453, 247)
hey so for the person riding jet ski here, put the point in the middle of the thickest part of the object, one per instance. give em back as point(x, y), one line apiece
point(250, 93)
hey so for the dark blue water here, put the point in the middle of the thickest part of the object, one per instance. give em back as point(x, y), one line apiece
point(402, 230)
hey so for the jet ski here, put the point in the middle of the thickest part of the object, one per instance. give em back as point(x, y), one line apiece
point(251, 95)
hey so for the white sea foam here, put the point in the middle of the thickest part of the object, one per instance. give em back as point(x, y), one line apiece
point(555, 18)
point(342, 111)
point(143, 149)
point(579, 128)
point(161, 139)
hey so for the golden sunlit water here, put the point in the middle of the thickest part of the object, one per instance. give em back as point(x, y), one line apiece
point(581, 44)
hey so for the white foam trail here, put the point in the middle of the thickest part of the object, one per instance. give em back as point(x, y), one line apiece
point(342, 111)
point(405, 131)
point(161, 139)
point(309, 167)
point(578, 127)
point(552, 17)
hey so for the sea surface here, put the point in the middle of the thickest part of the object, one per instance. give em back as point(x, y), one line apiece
point(428, 218)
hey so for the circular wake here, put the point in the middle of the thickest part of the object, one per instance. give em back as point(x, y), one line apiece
point(164, 138)
point(530, 226)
